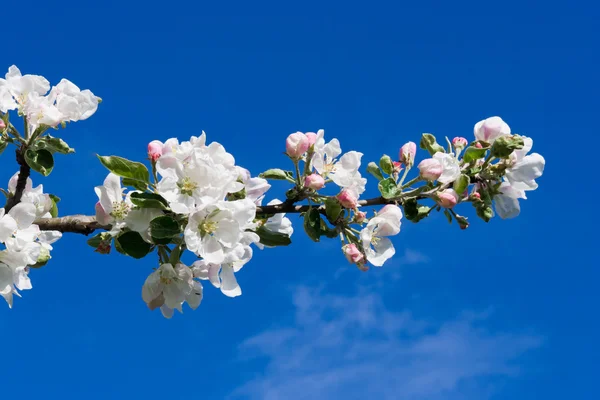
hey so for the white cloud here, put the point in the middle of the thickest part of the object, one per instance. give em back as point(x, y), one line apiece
point(354, 347)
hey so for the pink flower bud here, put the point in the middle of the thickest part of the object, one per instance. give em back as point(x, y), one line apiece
point(430, 169)
point(397, 166)
point(103, 247)
point(476, 195)
point(312, 138)
point(447, 198)
point(347, 199)
point(359, 217)
point(155, 150)
point(2, 124)
point(296, 144)
point(491, 129)
point(407, 153)
point(353, 254)
point(459, 142)
point(314, 181)
point(478, 145)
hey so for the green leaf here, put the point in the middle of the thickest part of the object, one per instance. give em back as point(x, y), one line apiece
point(273, 239)
point(3, 144)
point(139, 185)
point(149, 200)
point(164, 227)
point(461, 184)
point(389, 189)
point(133, 245)
point(385, 162)
point(54, 208)
point(374, 170)
point(53, 145)
point(415, 211)
point(473, 153)
point(277, 174)
point(485, 212)
point(126, 169)
point(40, 161)
point(504, 146)
point(333, 209)
point(95, 240)
point(312, 224)
point(448, 216)
point(429, 143)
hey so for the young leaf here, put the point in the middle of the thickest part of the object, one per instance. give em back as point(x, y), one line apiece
point(312, 224)
point(429, 143)
point(54, 208)
point(389, 189)
point(132, 244)
point(333, 208)
point(53, 145)
point(374, 170)
point(125, 168)
point(473, 153)
point(461, 184)
point(273, 239)
point(149, 200)
point(40, 161)
point(448, 216)
point(277, 174)
point(164, 227)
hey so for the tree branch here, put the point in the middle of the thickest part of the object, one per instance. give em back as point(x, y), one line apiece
point(86, 224)
point(24, 172)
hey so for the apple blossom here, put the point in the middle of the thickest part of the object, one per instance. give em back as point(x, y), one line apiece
point(378, 248)
point(451, 167)
point(407, 153)
point(490, 129)
point(459, 142)
point(353, 254)
point(296, 145)
point(314, 181)
point(430, 169)
point(348, 198)
point(447, 198)
point(155, 148)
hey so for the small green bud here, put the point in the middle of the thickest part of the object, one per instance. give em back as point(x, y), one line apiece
point(386, 164)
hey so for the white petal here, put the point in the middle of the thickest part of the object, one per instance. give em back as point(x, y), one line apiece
point(384, 249)
point(229, 285)
point(507, 207)
point(211, 250)
point(24, 214)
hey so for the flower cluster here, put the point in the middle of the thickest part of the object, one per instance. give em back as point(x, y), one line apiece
point(201, 202)
point(29, 95)
point(25, 246)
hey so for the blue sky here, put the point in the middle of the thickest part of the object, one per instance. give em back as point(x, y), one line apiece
point(503, 310)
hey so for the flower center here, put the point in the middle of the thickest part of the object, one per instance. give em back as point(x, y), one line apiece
point(207, 227)
point(187, 186)
point(120, 209)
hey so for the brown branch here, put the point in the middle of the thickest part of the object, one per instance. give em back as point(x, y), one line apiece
point(86, 224)
point(24, 172)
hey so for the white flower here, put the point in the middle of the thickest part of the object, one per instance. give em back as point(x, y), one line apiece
point(215, 228)
point(221, 276)
point(35, 196)
point(40, 110)
point(169, 287)
point(507, 204)
point(343, 172)
point(112, 208)
point(255, 187)
point(490, 129)
point(378, 248)
point(525, 169)
point(73, 104)
point(16, 88)
point(450, 165)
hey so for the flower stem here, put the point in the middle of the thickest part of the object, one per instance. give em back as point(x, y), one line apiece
point(411, 182)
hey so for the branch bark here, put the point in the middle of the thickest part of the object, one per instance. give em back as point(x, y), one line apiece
point(86, 224)
point(24, 172)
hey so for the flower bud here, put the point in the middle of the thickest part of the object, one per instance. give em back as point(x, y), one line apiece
point(2, 124)
point(397, 166)
point(155, 150)
point(430, 169)
point(476, 195)
point(491, 129)
point(407, 153)
point(478, 145)
point(353, 254)
point(312, 138)
point(447, 198)
point(347, 199)
point(359, 217)
point(314, 181)
point(296, 145)
point(459, 142)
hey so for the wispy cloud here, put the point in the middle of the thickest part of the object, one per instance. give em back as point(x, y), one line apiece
point(354, 347)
